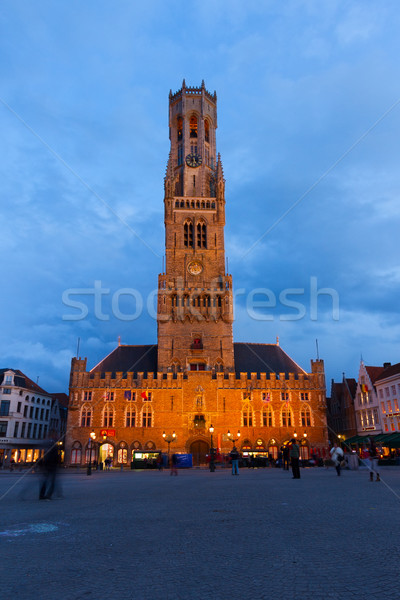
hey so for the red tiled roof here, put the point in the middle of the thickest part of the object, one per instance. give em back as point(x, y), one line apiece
point(389, 371)
point(374, 372)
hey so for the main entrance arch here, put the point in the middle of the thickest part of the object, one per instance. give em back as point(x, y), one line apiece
point(199, 449)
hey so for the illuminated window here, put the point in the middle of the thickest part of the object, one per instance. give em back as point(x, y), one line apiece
point(267, 417)
point(122, 456)
point(179, 128)
point(147, 415)
point(396, 406)
point(86, 416)
point(108, 416)
point(389, 405)
point(306, 417)
point(130, 418)
point(193, 127)
point(286, 417)
point(383, 407)
point(247, 415)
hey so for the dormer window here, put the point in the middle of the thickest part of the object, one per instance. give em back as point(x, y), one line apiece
point(8, 380)
point(193, 127)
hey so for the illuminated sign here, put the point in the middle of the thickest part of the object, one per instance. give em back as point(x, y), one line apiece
point(108, 432)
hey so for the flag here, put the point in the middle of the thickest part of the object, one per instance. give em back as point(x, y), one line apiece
point(266, 397)
point(144, 395)
point(127, 394)
point(364, 388)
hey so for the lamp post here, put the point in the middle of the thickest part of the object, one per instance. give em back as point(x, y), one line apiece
point(212, 463)
point(92, 438)
point(170, 437)
point(232, 439)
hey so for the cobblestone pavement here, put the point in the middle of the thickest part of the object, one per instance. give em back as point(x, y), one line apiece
point(201, 535)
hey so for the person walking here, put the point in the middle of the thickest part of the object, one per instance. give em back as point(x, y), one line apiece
point(337, 456)
point(234, 454)
point(373, 460)
point(294, 458)
point(49, 464)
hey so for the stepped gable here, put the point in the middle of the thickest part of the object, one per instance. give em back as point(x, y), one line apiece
point(136, 359)
point(263, 358)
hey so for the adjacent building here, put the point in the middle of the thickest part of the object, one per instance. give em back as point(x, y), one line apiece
point(341, 409)
point(387, 386)
point(195, 381)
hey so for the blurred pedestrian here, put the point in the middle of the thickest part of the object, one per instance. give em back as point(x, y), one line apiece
point(373, 460)
point(234, 455)
point(294, 458)
point(337, 456)
point(285, 455)
point(49, 465)
point(173, 463)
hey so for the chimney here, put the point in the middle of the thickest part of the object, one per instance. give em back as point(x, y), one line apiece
point(386, 365)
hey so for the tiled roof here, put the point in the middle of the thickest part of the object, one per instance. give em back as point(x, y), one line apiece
point(21, 380)
point(374, 373)
point(352, 385)
point(249, 358)
point(263, 358)
point(63, 399)
point(126, 358)
point(389, 372)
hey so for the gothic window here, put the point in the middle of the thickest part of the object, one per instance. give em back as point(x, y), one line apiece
point(179, 128)
point(212, 187)
point(286, 417)
point(86, 416)
point(147, 416)
point(201, 235)
point(267, 417)
point(188, 234)
point(206, 131)
point(130, 417)
point(180, 155)
point(108, 416)
point(219, 301)
point(207, 301)
point(305, 417)
point(247, 415)
point(193, 127)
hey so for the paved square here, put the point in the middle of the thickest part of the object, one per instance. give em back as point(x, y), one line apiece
point(148, 536)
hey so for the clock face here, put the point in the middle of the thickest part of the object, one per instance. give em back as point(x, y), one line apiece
point(195, 267)
point(193, 160)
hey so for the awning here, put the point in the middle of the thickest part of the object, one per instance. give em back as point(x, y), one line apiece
point(358, 439)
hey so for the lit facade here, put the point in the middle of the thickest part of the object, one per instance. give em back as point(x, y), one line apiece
point(195, 376)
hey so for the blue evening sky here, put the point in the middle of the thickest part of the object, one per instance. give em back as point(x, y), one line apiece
point(308, 131)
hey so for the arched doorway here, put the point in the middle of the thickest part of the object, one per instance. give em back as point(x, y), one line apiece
point(198, 450)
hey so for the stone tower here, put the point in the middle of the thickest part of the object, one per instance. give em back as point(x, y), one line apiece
point(195, 307)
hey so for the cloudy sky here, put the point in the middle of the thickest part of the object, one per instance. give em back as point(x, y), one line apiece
point(308, 130)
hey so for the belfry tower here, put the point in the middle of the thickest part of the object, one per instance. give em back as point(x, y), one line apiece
point(195, 306)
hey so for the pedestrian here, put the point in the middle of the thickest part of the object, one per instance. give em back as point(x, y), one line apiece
point(159, 462)
point(173, 464)
point(366, 461)
point(234, 454)
point(294, 458)
point(337, 456)
point(373, 459)
point(49, 464)
point(285, 456)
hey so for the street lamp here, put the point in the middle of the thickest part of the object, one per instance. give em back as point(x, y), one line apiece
point(92, 438)
point(295, 435)
point(212, 464)
point(170, 437)
point(232, 439)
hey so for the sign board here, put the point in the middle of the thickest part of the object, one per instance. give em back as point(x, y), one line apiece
point(108, 432)
point(184, 461)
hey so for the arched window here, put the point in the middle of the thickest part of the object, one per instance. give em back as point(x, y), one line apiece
point(108, 416)
point(193, 127)
point(267, 417)
point(247, 415)
point(130, 417)
point(206, 131)
point(147, 415)
point(201, 235)
point(76, 453)
point(86, 416)
point(179, 128)
point(306, 416)
point(286, 417)
point(188, 234)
